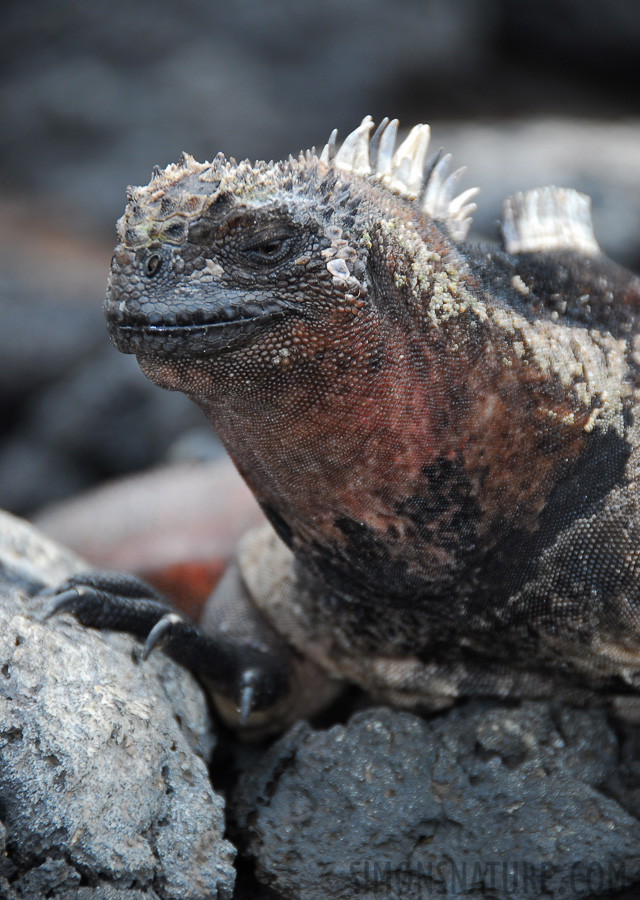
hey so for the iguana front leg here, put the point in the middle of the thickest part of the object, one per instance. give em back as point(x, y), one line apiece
point(257, 681)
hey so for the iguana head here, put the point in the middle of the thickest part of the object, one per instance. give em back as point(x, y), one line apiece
point(211, 254)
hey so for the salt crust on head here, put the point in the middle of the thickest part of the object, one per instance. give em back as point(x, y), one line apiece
point(404, 170)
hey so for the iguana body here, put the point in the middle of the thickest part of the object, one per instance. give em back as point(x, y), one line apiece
point(443, 436)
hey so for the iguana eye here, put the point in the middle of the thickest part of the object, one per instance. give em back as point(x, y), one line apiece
point(270, 251)
point(153, 265)
point(270, 248)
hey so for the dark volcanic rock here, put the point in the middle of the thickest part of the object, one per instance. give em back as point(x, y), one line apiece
point(103, 782)
point(486, 801)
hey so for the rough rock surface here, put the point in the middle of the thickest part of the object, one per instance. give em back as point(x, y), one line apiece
point(104, 789)
point(487, 801)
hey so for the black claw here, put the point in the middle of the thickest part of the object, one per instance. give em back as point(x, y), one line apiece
point(63, 602)
point(248, 694)
point(161, 632)
point(105, 600)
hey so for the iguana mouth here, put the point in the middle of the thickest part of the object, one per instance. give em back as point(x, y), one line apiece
point(175, 341)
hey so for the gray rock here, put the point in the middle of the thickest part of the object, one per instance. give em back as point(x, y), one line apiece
point(624, 783)
point(103, 779)
point(486, 801)
point(56, 878)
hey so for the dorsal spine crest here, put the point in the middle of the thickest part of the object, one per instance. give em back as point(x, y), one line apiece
point(405, 170)
point(546, 219)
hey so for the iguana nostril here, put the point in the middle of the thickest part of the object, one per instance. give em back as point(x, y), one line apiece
point(154, 264)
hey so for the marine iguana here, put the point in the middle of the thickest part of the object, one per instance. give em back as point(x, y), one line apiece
point(443, 436)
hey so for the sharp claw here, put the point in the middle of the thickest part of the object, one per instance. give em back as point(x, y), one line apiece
point(160, 633)
point(63, 601)
point(248, 692)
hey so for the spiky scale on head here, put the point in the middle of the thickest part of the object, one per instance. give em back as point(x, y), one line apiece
point(404, 171)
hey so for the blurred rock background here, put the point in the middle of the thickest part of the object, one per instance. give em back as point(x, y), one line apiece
point(524, 92)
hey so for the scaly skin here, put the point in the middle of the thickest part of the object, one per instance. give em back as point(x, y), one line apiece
point(444, 436)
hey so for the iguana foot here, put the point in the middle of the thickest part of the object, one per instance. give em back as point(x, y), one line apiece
point(247, 677)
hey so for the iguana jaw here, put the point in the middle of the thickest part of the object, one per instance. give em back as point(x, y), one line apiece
point(178, 341)
point(169, 323)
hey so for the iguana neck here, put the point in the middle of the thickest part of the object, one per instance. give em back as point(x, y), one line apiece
point(394, 469)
